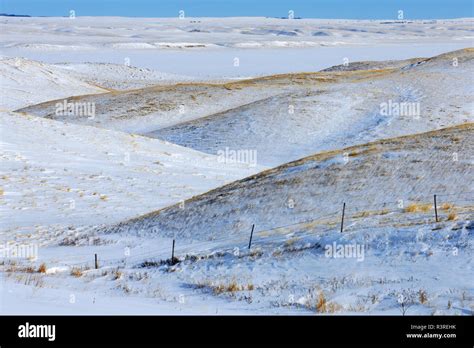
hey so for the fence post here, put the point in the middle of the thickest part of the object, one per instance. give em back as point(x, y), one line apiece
point(436, 209)
point(251, 235)
point(96, 262)
point(342, 219)
point(172, 253)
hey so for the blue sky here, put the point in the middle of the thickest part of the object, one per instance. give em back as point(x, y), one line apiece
point(355, 9)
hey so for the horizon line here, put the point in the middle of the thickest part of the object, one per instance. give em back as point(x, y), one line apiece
point(205, 17)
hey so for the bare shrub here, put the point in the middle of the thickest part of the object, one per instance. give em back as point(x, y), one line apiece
point(42, 268)
point(405, 300)
point(76, 272)
point(117, 274)
point(321, 303)
point(422, 296)
point(230, 287)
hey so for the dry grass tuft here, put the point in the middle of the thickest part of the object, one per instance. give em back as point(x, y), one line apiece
point(367, 213)
point(231, 287)
point(35, 280)
point(321, 303)
point(76, 272)
point(333, 307)
point(291, 241)
point(117, 274)
point(13, 268)
point(255, 253)
point(422, 296)
point(42, 268)
point(452, 216)
point(447, 206)
point(418, 208)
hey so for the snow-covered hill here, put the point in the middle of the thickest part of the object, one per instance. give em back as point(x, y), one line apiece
point(119, 76)
point(147, 109)
point(396, 249)
point(25, 82)
point(373, 176)
point(69, 175)
point(392, 257)
point(317, 116)
point(286, 117)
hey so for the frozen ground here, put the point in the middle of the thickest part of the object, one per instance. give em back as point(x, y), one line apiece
point(120, 184)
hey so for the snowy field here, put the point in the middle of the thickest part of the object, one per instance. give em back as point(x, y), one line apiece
point(207, 47)
point(239, 139)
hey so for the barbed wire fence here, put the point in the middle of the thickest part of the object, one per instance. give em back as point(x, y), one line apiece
point(329, 222)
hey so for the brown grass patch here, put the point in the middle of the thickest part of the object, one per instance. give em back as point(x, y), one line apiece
point(231, 287)
point(452, 216)
point(447, 206)
point(76, 272)
point(321, 303)
point(418, 208)
point(42, 268)
point(291, 241)
point(333, 307)
point(370, 213)
point(35, 279)
point(422, 296)
point(117, 275)
point(17, 269)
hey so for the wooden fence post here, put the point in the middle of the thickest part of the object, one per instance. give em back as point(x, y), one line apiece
point(251, 235)
point(342, 219)
point(172, 252)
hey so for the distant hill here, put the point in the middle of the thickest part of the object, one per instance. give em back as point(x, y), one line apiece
point(12, 15)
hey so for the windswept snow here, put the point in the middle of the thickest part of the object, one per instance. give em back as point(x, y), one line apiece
point(54, 81)
point(410, 168)
point(352, 109)
point(391, 252)
point(59, 174)
point(24, 82)
point(286, 117)
point(119, 76)
point(147, 109)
